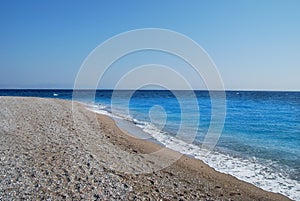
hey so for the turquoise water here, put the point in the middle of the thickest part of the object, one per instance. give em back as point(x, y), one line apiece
point(260, 142)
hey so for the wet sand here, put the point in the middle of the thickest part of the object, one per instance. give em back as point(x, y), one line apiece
point(51, 150)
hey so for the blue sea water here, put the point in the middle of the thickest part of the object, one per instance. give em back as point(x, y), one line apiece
point(260, 142)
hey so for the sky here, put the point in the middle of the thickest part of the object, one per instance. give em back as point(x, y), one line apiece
point(255, 44)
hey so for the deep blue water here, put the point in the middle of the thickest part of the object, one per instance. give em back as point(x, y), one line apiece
point(260, 125)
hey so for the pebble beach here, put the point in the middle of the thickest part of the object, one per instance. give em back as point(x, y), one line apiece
point(54, 149)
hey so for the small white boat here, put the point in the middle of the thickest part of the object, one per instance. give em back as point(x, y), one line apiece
point(55, 94)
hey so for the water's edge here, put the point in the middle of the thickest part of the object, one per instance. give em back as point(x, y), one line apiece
point(249, 170)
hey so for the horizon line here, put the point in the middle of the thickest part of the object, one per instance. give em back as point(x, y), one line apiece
point(87, 89)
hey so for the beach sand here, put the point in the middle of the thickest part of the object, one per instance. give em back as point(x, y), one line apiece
point(49, 150)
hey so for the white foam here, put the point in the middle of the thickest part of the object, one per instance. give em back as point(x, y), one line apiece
point(256, 173)
point(249, 170)
point(104, 112)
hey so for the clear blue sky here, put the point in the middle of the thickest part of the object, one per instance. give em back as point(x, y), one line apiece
point(255, 43)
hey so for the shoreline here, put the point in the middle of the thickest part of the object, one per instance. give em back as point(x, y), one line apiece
point(250, 170)
point(69, 161)
point(187, 162)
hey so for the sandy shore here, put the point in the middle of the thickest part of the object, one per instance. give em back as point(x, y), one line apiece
point(49, 151)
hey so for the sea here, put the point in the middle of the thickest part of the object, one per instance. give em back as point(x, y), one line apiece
point(259, 143)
